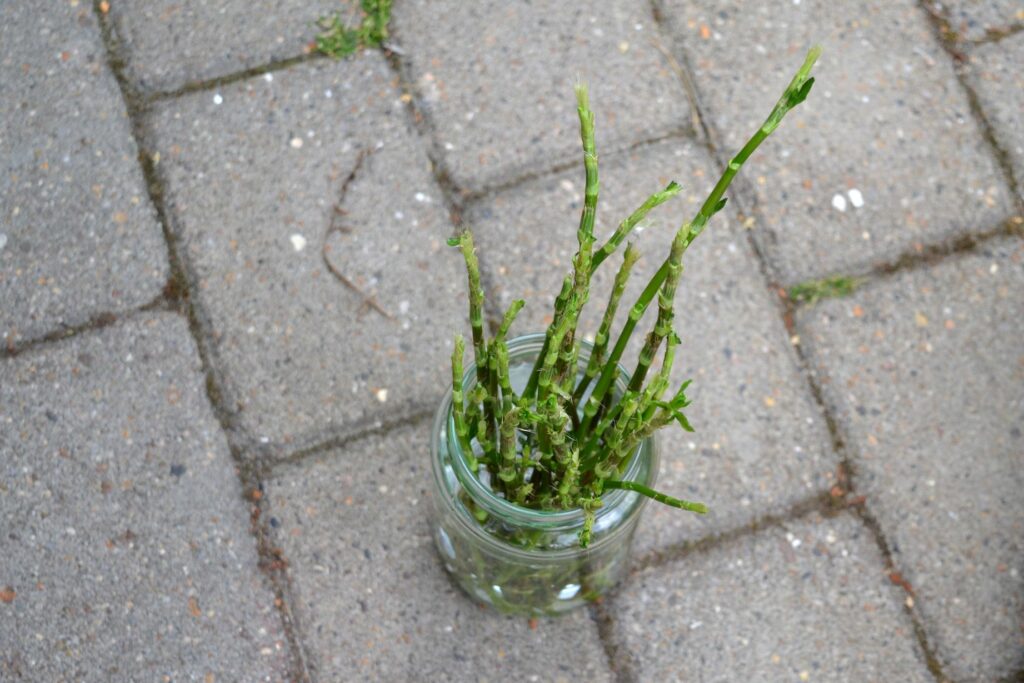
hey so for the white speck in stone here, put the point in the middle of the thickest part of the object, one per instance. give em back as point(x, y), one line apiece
point(856, 198)
point(217, 99)
point(296, 142)
point(382, 395)
point(328, 94)
point(449, 146)
point(403, 307)
point(71, 531)
point(129, 358)
point(420, 197)
point(382, 488)
point(830, 537)
point(731, 247)
point(638, 27)
point(264, 439)
point(399, 215)
point(310, 133)
point(3, 241)
point(691, 445)
point(865, 99)
point(251, 330)
point(796, 2)
point(865, 235)
point(994, 268)
point(696, 625)
point(269, 78)
point(839, 202)
point(298, 242)
point(931, 482)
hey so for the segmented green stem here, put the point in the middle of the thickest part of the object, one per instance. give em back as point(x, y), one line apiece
point(459, 406)
point(699, 508)
point(626, 226)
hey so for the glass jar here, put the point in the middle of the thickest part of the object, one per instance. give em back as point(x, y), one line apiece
point(520, 560)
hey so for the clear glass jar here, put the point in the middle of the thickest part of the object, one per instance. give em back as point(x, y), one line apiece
point(519, 560)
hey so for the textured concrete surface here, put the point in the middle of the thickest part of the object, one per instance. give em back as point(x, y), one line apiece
point(884, 155)
point(994, 72)
point(373, 600)
point(276, 187)
point(926, 374)
point(170, 43)
point(804, 602)
point(499, 108)
point(760, 444)
point(78, 236)
point(979, 19)
point(125, 552)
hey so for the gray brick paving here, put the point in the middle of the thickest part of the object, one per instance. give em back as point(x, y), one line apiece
point(169, 43)
point(253, 184)
point(887, 118)
point(498, 107)
point(806, 602)
point(1000, 88)
point(125, 553)
point(372, 597)
point(975, 19)
point(78, 236)
point(926, 374)
point(761, 445)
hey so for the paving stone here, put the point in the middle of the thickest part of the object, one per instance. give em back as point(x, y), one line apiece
point(884, 155)
point(498, 88)
point(761, 445)
point(126, 552)
point(78, 236)
point(975, 19)
point(373, 600)
point(254, 178)
point(169, 43)
point(809, 601)
point(1000, 88)
point(925, 371)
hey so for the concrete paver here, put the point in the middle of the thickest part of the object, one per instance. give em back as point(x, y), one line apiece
point(1000, 88)
point(372, 597)
point(884, 155)
point(78, 235)
point(126, 552)
point(255, 175)
point(925, 372)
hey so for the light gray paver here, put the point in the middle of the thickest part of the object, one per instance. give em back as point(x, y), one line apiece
point(253, 174)
point(926, 373)
point(169, 43)
point(126, 552)
point(807, 602)
point(498, 87)
point(761, 445)
point(372, 597)
point(973, 19)
point(996, 75)
point(886, 118)
point(78, 236)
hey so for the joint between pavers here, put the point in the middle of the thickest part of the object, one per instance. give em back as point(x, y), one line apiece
point(191, 87)
point(619, 659)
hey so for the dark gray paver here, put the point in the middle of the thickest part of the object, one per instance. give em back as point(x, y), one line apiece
point(1000, 88)
point(254, 173)
point(168, 43)
point(975, 19)
point(926, 373)
point(498, 86)
point(806, 602)
point(126, 552)
point(78, 236)
point(760, 445)
point(887, 127)
point(372, 597)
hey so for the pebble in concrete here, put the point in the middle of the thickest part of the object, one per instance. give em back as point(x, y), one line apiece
point(78, 236)
point(126, 552)
point(372, 598)
point(760, 445)
point(806, 601)
point(170, 43)
point(498, 105)
point(925, 371)
point(884, 156)
point(1000, 88)
point(311, 222)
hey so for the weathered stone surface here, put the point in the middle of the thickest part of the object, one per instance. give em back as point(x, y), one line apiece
point(806, 602)
point(498, 87)
point(279, 185)
point(761, 445)
point(975, 19)
point(882, 157)
point(126, 552)
point(1000, 88)
point(926, 373)
point(78, 236)
point(372, 597)
point(168, 43)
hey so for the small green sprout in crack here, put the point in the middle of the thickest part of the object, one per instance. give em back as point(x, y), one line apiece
point(338, 40)
point(827, 288)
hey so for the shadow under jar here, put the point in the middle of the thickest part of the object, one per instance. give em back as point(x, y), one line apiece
point(520, 560)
